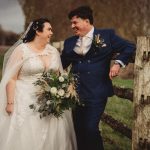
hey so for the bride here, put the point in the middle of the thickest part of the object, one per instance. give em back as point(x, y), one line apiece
point(20, 127)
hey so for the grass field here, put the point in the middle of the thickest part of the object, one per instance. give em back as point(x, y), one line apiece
point(121, 110)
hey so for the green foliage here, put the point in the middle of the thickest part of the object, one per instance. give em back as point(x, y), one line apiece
point(127, 83)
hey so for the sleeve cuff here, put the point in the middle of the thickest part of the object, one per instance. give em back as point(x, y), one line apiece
point(121, 63)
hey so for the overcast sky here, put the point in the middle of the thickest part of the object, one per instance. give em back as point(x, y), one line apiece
point(11, 16)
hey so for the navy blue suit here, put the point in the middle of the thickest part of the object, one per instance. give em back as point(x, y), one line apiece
point(94, 84)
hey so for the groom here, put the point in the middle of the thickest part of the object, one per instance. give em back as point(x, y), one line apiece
point(90, 52)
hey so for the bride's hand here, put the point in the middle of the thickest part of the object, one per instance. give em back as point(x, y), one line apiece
point(9, 108)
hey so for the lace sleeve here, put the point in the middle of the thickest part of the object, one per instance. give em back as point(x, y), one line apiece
point(14, 60)
point(12, 67)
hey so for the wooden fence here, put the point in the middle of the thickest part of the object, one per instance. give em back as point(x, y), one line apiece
point(139, 95)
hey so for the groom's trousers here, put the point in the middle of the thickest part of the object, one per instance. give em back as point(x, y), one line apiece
point(86, 123)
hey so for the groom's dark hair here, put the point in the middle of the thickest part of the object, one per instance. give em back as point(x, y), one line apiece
point(84, 12)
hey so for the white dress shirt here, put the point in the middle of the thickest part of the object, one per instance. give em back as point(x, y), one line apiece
point(83, 44)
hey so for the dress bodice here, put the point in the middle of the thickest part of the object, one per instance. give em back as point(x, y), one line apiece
point(33, 66)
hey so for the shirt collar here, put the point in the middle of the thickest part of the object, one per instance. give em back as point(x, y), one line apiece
point(90, 33)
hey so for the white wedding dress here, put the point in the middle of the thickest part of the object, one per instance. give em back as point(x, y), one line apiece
point(24, 130)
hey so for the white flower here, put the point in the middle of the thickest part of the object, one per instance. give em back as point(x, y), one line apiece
point(61, 79)
point(53, 90)
point(57, 96)
point(61, 92)
point(48, 102)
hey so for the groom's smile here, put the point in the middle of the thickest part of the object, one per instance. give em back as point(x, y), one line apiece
point(75, 30)
point(79, 26)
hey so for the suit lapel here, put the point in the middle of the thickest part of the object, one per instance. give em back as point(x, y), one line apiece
point(73, 43)
point(92, 46)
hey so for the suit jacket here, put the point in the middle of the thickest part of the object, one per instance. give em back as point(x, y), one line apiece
point(92, 70)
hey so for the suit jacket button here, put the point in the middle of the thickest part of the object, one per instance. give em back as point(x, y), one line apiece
point(88, 72)
point(80, 62)
point(89, 61)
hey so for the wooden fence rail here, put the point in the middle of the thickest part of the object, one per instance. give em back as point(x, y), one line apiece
point(125, 93)
point(116, 125)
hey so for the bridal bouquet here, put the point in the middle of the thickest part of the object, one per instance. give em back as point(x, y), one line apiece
point(56, 94)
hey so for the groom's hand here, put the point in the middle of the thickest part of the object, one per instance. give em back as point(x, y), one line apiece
point(114, 71)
